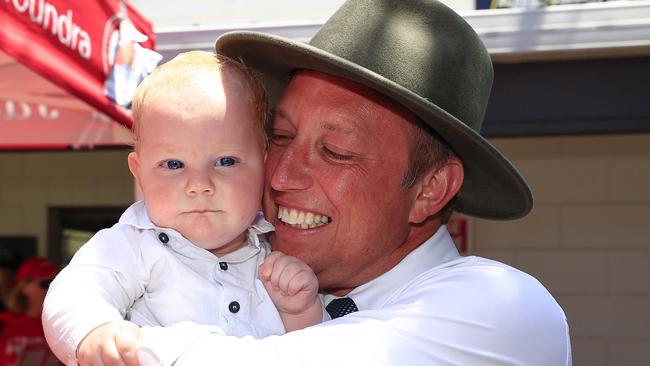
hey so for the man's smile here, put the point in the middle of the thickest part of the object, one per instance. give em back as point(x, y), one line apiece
point(302, 219)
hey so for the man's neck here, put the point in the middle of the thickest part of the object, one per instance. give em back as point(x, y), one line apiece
point(338, 292)
point(416, 237)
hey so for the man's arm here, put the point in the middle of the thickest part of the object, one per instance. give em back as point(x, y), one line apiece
point(354, 339)
point(489, 315)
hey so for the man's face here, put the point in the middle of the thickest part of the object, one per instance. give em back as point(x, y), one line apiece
point(200, 162)
point(333, 174)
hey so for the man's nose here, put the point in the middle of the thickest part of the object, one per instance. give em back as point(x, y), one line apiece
point(198, 183)
point(290, 167)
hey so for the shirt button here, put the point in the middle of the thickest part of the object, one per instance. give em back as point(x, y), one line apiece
point(233, 307)
point(223, 265)
point(163, 238)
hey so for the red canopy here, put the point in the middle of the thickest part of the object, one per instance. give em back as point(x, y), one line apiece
point(38, 115)
point(97, 51)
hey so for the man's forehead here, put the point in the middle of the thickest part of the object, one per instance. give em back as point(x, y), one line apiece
point(333, 84)
point(340, 118)
point(349, 105)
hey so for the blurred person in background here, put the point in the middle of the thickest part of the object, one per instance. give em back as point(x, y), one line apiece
point(21, 333)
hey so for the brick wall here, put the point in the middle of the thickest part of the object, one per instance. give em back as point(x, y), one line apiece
point(587, 238)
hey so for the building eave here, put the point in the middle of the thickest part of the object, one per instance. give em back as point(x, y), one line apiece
point(603, 29)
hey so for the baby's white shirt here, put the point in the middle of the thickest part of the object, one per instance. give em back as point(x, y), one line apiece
point(153, 276)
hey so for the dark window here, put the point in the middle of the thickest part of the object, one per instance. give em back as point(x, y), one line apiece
point(71, 227)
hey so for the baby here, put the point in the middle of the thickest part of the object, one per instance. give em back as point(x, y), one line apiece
point(193, 249)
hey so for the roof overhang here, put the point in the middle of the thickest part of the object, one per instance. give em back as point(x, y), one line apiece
point(613, 28)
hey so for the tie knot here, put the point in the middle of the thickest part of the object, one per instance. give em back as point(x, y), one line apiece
point(341, 306)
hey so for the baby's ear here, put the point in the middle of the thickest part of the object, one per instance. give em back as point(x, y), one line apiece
point(134, 165)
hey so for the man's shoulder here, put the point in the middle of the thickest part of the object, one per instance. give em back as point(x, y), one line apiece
point(505, 304)
point(493, 290)
point(476, 276)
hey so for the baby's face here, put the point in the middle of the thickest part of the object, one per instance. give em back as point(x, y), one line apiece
point(200, 164)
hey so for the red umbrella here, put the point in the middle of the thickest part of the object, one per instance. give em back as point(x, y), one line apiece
point(97, 51)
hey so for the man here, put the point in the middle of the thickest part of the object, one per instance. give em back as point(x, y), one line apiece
point(373, 143)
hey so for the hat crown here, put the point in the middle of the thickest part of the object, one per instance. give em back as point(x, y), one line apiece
point(439, 56)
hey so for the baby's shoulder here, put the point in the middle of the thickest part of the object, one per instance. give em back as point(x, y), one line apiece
point(121, 239)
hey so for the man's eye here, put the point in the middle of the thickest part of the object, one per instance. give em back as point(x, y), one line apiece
point(279, 139)
point(226, 161)
point(336, 156)
point(173, 164)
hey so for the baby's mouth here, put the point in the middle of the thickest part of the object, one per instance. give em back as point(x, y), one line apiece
point(302, 219)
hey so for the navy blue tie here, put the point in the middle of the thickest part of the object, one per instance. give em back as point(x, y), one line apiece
point(341, 306)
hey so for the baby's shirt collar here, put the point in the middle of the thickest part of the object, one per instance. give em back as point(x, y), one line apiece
point(137, 216)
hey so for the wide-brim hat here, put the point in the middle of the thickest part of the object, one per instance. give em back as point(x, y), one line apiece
point(422, 55)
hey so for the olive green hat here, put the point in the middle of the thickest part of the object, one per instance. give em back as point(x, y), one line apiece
point(424, 56)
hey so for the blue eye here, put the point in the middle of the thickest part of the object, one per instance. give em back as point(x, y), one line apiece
point(226, 161)
point(173, 164)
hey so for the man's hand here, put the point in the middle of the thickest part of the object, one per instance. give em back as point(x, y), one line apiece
point(110, 344)
point(293, 287)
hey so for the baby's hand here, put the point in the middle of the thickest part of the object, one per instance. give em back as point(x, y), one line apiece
point(110, 344)
point(293, 287)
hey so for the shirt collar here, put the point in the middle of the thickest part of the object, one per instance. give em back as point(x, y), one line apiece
point(435, 251)
point(258, 228)
point(138, 217)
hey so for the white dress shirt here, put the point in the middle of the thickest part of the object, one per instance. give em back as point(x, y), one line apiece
point(153, 276)
point(433, 308)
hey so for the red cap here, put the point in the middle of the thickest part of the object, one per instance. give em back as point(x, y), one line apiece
point(37, 268)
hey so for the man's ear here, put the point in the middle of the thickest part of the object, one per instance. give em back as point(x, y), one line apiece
point(134, 166)
point(435, 189)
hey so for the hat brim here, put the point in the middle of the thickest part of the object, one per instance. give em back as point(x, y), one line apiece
point(492, 189)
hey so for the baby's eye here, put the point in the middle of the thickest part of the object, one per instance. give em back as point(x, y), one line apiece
point(173, 164)
point(226, 161)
